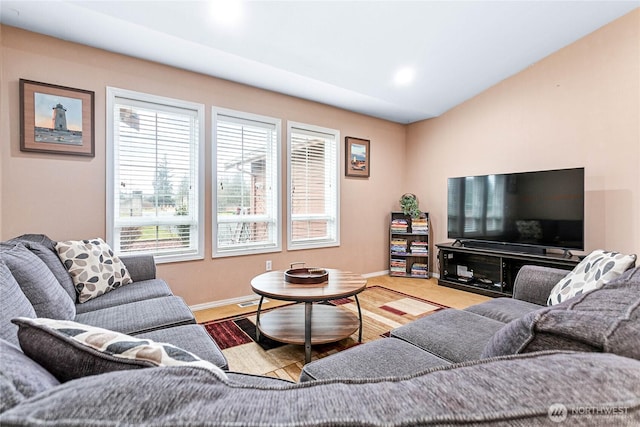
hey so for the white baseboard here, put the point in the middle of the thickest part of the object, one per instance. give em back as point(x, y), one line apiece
point(239, 300)
point(376, 274)
point(220, 303)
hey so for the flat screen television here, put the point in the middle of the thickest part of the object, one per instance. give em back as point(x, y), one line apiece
point(527, 211)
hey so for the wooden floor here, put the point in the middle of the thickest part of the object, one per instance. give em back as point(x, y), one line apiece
point(422, 288)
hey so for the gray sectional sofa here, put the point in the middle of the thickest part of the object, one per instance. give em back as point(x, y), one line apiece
point(504, 362)
point(445, 337)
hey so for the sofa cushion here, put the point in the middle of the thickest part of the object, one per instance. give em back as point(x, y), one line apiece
point(452, 335)
point(603, 320)
point(93, 266)
point(596, 269)
point(503, 309)
point(45, 249)
point(243, 379)
point(140, 266)
point(383, 358)
point(506, 392)
point(9, 394)
point(137, 291)
point(534, 283)
point(38, 283)
point(70, 350)
point(140, 316)
point(20, 377)
point(13, 303)
point(193, 338)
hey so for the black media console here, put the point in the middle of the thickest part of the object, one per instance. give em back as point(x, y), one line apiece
point(491, 271)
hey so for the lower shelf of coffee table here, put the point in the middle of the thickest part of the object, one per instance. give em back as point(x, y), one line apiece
point(328, 324)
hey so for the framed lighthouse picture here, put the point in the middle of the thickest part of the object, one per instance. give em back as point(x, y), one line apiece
point(56, 119)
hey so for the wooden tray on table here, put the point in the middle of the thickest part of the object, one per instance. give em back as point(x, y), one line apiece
point(306, 275)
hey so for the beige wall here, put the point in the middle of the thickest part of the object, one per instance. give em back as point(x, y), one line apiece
point(64, 196)
point(578, 107)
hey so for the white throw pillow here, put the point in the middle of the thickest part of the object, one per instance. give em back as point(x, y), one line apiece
point(596, 269)
point(94, 268)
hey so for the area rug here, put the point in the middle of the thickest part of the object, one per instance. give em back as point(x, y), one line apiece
point(383, 309)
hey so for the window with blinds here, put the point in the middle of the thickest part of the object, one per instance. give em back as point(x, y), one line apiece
point(246, 183)
point(313, 187)
point(154, 184)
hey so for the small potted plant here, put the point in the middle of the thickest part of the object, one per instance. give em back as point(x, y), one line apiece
point(409, 205)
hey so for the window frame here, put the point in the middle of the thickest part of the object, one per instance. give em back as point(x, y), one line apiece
point(112, 94)
point(311, 243)
point(216, 113)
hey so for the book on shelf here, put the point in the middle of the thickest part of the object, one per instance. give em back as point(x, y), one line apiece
point(420, 226)
point(398, 267)
point(419, 269)
point(419, 248)
point(399, 226)
point(399, 246)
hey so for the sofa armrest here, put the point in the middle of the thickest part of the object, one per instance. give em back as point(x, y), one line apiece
point(534, 283)
point(140, 267)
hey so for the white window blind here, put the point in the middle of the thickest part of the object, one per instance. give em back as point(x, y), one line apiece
point(154, 186)
point(246, 183)
point(313, 187)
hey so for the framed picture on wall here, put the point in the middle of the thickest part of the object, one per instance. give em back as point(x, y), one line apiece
point(357, 157)
point(56, 119)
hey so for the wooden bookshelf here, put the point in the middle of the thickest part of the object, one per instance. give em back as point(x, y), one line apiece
point(409, 246)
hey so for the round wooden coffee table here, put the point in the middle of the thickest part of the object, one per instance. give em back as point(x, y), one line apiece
point(308, 324)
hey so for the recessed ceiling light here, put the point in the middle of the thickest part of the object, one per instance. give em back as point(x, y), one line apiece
point(227, 13)
point(404, 76)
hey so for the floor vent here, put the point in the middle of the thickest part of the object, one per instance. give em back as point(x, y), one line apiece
point(250, 303)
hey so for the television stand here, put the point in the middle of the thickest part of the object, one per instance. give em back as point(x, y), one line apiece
point(490, 271)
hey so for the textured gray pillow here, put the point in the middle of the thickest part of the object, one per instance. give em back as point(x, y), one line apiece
point(21, 377)
point(603, 320)
point(13, 303)
point(38, 283)
point(71, 350)
point(36, 238)
point(49, 256)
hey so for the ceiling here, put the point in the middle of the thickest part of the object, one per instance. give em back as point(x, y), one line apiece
point(341, 53)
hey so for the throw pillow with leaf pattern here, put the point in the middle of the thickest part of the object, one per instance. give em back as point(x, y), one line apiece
point(593, 272)
point(93, 266)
